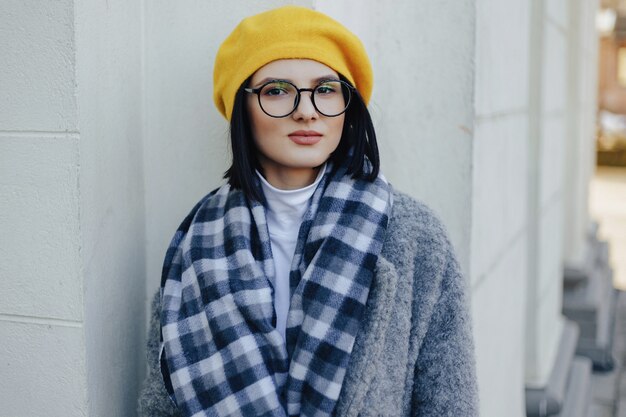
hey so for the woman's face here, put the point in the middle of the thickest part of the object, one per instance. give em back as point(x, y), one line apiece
point(292, 148)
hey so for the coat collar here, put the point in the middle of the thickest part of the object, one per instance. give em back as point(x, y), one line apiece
point(370, 339)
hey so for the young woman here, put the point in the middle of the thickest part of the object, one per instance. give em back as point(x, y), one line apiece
point(306, 286)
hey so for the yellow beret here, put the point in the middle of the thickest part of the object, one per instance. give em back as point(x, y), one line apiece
point(287, 32)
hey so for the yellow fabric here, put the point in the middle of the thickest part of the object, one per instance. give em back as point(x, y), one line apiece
point(286, 33)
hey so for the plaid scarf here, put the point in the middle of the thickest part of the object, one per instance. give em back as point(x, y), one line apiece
point(222, 353)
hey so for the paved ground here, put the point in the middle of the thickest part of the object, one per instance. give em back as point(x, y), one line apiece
point(608, 207)
point(609, 388)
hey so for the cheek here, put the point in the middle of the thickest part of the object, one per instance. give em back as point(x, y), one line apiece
point(340, 122)
point(337, 126)
point(263, 135)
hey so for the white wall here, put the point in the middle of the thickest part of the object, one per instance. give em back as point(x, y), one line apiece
point(41, 313)
point(37, 83)
point(71, 177)
point(109, 48)
point(499, 203)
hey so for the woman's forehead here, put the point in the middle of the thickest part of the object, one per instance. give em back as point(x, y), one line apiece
point(294, 70)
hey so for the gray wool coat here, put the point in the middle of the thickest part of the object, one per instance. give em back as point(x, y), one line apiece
point(414, 354)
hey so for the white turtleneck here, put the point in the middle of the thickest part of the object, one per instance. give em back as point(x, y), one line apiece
point(285, 211)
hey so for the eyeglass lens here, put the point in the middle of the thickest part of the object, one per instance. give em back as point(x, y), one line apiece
point(280, 98)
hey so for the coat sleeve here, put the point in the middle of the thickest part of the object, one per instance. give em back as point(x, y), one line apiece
point(445, 377)
point(153, 399)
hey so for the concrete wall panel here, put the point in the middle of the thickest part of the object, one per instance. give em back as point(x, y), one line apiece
point(40, 248)
point(110, 78)
point(501, 56)
point(37, 78)
point(499, 189)
point(549, 330)
point(552, 160)
point(548, 130)
point(557, 11)
point(499, 317)
point(580, 148)
point(541, 357)
point(550, 249)
point(554, 69)
point(545, 303)
point(42, 369)
point(499, 233)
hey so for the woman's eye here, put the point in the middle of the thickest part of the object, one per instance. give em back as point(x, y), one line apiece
point(277, 89)
point(325, 89)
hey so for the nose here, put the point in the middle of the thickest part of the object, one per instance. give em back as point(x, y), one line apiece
point(305, 109)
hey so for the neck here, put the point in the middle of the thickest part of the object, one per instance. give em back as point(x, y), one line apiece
point(290, 178)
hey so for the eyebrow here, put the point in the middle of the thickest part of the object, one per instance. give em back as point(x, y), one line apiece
point(315, 81)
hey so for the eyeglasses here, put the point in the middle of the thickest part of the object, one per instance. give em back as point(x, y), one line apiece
point(280, 98)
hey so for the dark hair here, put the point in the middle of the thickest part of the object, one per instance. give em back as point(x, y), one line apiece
point(357, 145)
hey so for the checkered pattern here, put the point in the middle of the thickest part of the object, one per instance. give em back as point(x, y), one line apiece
point(223, 355)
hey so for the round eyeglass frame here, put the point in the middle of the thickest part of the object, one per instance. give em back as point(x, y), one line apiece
point(296, 101)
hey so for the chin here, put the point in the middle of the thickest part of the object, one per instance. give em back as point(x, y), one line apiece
point(311, 163)
point(306, 159)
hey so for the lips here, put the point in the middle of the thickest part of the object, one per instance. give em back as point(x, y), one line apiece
point(305, 137)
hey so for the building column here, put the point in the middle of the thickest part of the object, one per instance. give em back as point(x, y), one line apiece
point(555, 378)
point(589, 297)
point(580, 149)
point(499, 202)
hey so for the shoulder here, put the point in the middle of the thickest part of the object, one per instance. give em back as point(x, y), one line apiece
point(417, 245)
point(414, 226)
point(408, 210)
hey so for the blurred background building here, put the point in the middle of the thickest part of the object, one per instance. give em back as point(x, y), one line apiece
point(612, 83)
point(487, 110)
